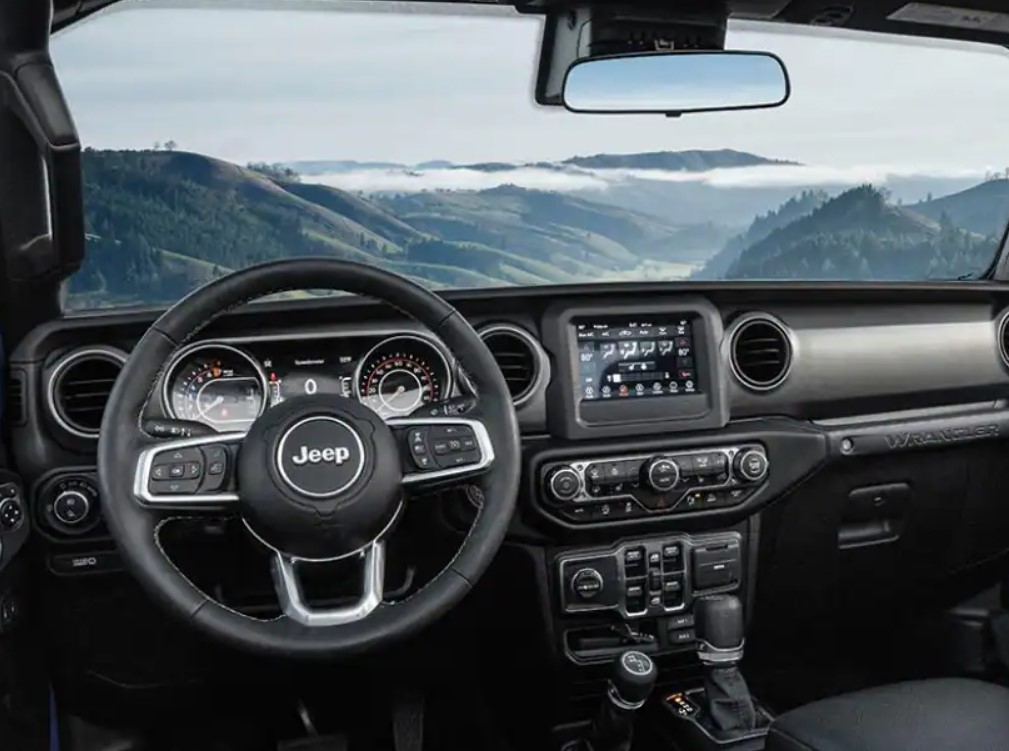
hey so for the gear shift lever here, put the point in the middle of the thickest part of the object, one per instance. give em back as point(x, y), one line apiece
point(719, 627)
point(632, 681)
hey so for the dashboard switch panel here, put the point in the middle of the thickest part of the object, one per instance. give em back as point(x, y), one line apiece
point(647, 578)
point(625, 487)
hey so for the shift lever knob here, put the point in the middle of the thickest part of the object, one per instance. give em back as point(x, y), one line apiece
point(633, 679)
point(719, 626)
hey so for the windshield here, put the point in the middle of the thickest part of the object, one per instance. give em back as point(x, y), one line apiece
point(217, 139)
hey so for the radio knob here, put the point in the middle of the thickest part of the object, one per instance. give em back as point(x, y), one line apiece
point(751, 465)
point(564, 484)
point(662, 474)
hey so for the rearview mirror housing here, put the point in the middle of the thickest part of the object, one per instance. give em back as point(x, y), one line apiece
point(676, 82)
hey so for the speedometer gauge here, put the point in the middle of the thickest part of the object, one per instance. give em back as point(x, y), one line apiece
point(401, 374)
point(217, 385)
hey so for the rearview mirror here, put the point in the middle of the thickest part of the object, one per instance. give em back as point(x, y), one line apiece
point(675, 83)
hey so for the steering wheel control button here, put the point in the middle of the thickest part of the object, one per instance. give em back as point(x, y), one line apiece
point(420, 451)
point(214, 468)
point(587, 584)
point(71, 508)
point(174, 487)
point(453, 446)
point(751, 465)
point(11, 513)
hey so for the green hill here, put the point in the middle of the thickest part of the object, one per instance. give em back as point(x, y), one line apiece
point(161, 223)
point(859, 235)
point(983, 209)
point(794, 208)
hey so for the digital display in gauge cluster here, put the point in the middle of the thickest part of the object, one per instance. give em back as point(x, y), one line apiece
point(228, 386)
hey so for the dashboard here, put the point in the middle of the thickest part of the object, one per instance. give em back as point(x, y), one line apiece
point(814, 443)
point(227, 384)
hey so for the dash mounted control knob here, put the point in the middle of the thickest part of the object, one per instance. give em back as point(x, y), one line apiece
point(564, 484)
point(751, 465)
point(661, 474)
point(72, 508)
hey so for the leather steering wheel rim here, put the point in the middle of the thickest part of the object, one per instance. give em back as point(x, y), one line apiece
point(135, 528)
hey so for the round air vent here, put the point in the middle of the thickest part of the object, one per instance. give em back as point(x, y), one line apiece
point(1003, 338)
point(519, 356)
point(79, 388)
point(761, 352)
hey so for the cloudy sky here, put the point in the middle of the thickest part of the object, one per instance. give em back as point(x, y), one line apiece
point(276, 86)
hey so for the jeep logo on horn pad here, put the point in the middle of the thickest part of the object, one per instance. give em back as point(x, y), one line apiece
point(320, 456)
point(336, 454)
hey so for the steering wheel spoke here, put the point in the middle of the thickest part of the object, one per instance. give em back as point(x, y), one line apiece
point(190, 474)
point(292, 598)
point(440, 452)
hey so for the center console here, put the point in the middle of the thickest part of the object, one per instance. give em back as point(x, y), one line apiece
point(652, 583)
point(646, 471)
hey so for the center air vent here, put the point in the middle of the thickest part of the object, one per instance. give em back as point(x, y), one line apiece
point(761, 352)
point(519, 356)
point(79, 388)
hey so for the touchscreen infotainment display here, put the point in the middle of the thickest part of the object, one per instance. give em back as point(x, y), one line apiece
point(636, 359)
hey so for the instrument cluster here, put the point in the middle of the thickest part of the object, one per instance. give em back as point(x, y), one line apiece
point(227, 386)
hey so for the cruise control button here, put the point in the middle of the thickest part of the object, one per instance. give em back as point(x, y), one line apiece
point(440, 448)
point(174, 487)
point(450, 431)
point(450, 461)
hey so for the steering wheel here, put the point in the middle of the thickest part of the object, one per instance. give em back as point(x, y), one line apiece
point(316, 478)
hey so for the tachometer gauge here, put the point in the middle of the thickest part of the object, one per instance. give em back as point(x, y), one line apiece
point(401, 374)
point(217, 385)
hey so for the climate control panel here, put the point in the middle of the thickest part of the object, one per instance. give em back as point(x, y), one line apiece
point(602, 489)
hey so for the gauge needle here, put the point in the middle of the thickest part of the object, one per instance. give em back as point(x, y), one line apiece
point(217, 401)
point(400, 390)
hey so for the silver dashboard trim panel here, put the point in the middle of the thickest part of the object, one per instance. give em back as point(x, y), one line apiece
point(483, 442)
point(146, 461)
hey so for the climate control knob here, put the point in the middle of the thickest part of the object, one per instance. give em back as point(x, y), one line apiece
point(661, 474)
point(564, 484)
point(751, 465)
